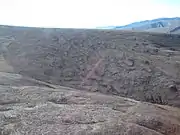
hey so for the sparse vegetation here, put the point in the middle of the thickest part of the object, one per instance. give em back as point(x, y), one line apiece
point(155, 100)
point(59, 100)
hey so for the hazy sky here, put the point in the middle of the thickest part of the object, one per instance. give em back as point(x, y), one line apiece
point(84, 13)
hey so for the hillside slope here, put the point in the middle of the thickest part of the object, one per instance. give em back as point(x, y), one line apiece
point(160, 25)
point(35, 62)
point(141, 66)
point(33, 109)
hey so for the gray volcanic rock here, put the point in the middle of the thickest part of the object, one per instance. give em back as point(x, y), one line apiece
point(142, 66)
point(32, 110)
point(110, 62)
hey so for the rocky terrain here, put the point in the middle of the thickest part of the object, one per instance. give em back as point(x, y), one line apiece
point(142, 66)
point(88, 82)
point(31, 107)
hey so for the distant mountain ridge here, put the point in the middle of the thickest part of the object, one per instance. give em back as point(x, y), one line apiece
point(163, 25)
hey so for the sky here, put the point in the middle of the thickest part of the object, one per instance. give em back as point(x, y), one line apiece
point(84, 13)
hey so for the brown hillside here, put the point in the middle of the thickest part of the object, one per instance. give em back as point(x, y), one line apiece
point(141, 66)
point(34, 63)
point(28, 107)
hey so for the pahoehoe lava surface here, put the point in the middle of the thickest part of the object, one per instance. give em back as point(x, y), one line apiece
point(38, 66)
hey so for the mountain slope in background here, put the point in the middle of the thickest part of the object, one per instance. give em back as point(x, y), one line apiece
point(162, 25)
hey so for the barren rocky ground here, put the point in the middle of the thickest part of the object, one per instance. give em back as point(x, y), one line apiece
point(142, 66)
point(29, 107)
point(32, 110)
point(88, 82)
